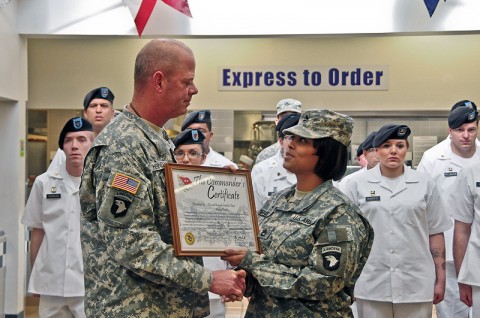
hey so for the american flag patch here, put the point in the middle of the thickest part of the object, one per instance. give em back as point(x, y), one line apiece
point(123, 182)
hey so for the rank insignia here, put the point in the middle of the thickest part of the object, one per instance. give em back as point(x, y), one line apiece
point(53, 189)
point(331, 257)
point(120, 206)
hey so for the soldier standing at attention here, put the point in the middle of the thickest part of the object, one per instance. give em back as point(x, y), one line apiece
point(130, 266)
point(201, 120)
point(314, 240)
point(443, 162)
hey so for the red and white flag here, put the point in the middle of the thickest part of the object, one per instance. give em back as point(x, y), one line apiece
point(142, 10)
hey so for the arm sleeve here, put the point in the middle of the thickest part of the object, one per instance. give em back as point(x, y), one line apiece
point(33, 210)
point(464, 197)
point(258, 187)
point(132, 235)
point(438, 218)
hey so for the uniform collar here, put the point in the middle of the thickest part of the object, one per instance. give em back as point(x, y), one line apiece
point(374, 175)
point(283, 203)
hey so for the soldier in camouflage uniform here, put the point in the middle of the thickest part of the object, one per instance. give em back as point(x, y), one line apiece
point(315, 242)
point(130, 266)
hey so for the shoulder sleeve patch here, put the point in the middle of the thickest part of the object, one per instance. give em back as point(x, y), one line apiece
point(126, 183)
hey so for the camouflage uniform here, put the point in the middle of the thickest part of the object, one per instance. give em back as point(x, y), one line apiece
point(314, 250)
point(130, 267)
point(285, 105)
point(314, 247)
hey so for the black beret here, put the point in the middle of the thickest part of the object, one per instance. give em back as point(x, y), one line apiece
point(360, 150)
point(390, 131)
point(368, 142)
point(460, 116)
point(464, 103)
point(287, 121)
point(73, 125)
point(200, 116)
point(188, 137)
point(101, 92)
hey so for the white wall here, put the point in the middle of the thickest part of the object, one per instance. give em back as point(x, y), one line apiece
point(425, 72)
point(13, 97)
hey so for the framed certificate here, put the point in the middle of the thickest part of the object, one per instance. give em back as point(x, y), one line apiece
point(211, 209)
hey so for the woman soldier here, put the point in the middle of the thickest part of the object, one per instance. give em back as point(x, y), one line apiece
point(314, 241)
point(405, 272)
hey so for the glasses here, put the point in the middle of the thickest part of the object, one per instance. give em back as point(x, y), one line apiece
point(191, 154)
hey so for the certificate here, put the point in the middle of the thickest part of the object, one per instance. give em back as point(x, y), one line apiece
point(210, 209)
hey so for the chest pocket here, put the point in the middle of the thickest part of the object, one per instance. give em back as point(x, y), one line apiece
point(289, 243)
point(331, 257)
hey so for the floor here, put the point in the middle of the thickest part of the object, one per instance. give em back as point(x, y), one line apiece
point(234, 310)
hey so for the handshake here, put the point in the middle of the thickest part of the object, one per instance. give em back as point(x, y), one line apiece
point(230, 284)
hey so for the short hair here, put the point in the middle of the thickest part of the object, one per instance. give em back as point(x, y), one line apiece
point(159, 54)
point(332, 158)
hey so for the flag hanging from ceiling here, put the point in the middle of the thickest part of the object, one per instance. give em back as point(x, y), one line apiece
point(142, 10)
point(431, 6)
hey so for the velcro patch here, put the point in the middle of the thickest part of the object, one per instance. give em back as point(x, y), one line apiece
point(124, 182)
point(331, 257)
point(120, 206)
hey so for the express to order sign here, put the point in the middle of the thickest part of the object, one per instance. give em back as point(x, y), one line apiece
point(303, 78)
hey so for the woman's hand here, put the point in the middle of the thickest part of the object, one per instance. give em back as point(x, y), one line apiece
point(234, 255)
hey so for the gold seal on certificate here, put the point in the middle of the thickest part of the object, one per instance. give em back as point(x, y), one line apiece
point(211, 209)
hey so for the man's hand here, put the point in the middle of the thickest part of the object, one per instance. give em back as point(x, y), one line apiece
point(230, 283)
point(438, 292)
point(466, 294)
point(234, 255)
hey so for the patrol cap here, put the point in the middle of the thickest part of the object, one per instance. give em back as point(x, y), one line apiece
point(247, 160)
point(323, 123)
point(390, 131)
point(287, 121)
point(200, 116)
point(100, 92)
point(188, 137)
point(464, 103)
point(289, 105)
point(73, 125)
point(460, 116)
point(359, 150)
point(368, 142)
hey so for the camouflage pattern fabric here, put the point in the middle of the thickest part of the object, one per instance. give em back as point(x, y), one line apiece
point(322, 123)
point(268, 152)
point(314, 250)
point(130, 267)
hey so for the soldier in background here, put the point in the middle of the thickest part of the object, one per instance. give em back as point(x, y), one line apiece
point(284, 107)
point(201, 120)
point(53, 213)
point(443, 162)
point(269, 176)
